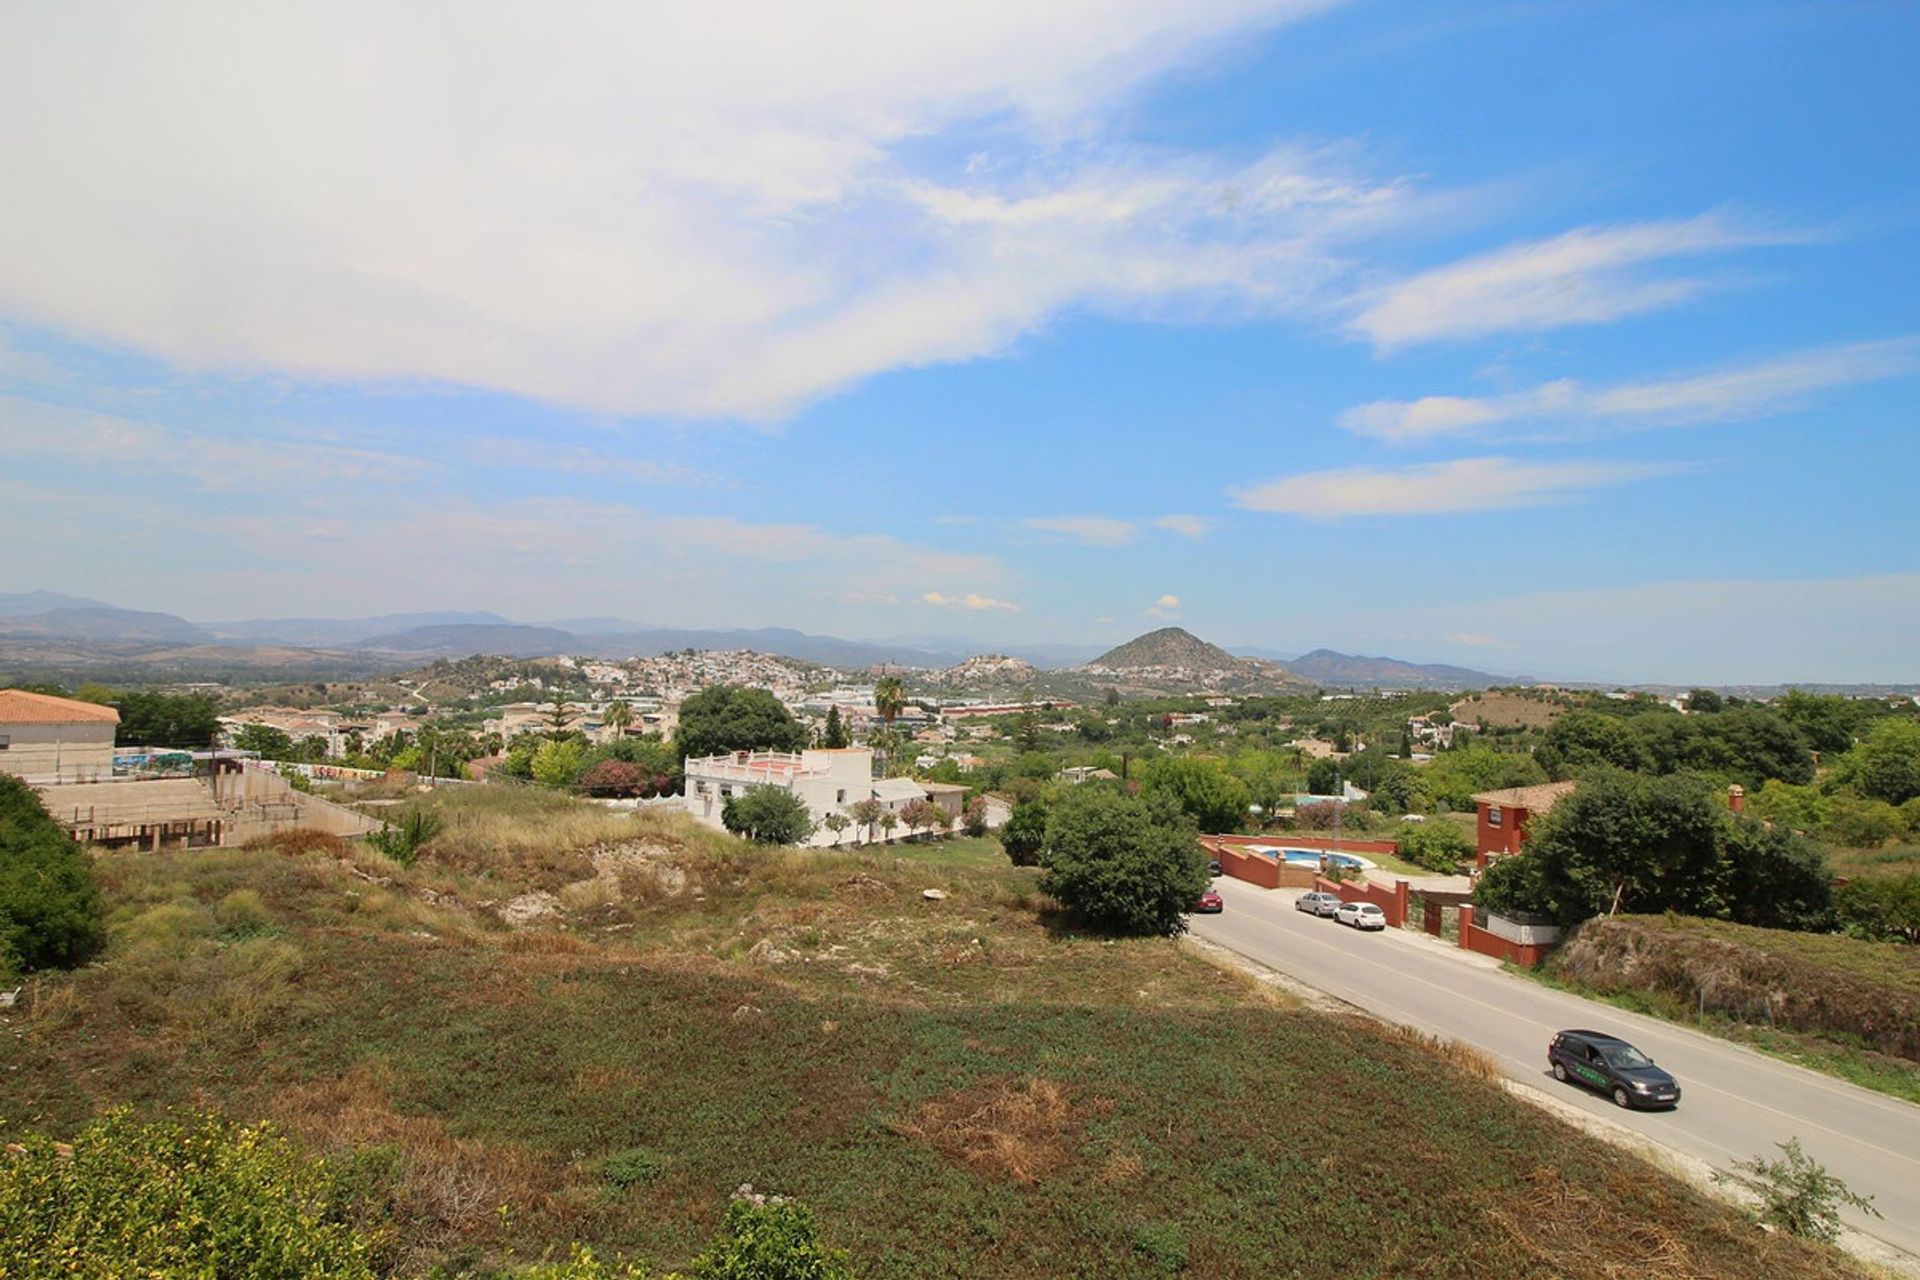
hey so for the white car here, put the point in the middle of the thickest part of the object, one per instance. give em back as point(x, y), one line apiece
point(1361, 915)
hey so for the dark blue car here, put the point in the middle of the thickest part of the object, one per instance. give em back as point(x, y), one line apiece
point(1612, 1066)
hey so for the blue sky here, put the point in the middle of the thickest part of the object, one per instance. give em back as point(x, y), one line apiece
point(1569, 339)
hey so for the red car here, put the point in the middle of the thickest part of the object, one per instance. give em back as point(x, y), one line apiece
point(1210, 903)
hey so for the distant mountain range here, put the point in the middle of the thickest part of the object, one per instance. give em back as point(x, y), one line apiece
point(47, 621)
point(1346, 670)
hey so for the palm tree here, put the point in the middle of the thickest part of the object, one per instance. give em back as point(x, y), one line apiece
point(617, 718)
point(889, 698)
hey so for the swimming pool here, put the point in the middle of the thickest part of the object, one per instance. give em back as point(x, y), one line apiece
point(1311, 857)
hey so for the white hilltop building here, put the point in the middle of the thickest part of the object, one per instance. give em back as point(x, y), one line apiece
point(827, 779)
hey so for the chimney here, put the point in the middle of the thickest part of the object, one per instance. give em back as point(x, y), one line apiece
point(1737, 798)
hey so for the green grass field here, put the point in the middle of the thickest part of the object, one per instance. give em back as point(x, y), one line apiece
point(958, 1088)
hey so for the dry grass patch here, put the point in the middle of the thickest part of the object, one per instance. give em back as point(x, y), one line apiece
point(1020, 1131)
point(449, 1190)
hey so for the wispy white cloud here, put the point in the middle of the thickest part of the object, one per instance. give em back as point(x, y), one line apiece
point(1186, 526)
point(1584, 276)
point(970, 600)
point(1167, 606)
point(683, 210)
point(1741, 392)
point(508, 451)
point(32, 429)
point(1092, 531)
point(1463, 485)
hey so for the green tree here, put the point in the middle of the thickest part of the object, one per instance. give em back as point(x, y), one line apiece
point(1024, 834)
point(729, 717)
point(1705, 700)
point(167, 720)
point(265, 740)
point(1456, 776)
point(1773, 878)
point(1827, 721)
point(1513, 886)
point(1201, 788)
point(1628, 842)
point(560, 716)
point(618, 717)
point(50, 913)
point(1886, 765)
point(768, 815)
point(558, 762)
point(836, 823)
point(834, 736)
point(1121, 864)
point(974, 816)
point(1581, 739)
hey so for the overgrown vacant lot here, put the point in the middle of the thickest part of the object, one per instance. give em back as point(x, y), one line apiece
point(959, 1088)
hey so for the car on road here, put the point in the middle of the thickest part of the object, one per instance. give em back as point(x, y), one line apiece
point(1613, 1067)
point(1361, 915)
point(1321, 904)
point(1213, 866)
point(1210, 903)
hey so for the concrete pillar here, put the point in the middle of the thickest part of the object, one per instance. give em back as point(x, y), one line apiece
point(1466, 922)
point(1737, 798)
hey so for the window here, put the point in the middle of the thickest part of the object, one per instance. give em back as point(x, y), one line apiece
point(1493, 815)
point(5, 741)
point(840, 797)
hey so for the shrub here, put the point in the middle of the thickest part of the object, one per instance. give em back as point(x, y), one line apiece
point(775, 1240)
point(615, 778)
point(1884, 908)
point(241, 913)
point(557, 764)
point(402, 843)
point(768, 815)
point(1437, 846)
point(633, 1168)
point(1797, 1194)
point(975, 816)
point(195, 1196)
point(50, 913)
point(1161, 1244)
point(1024, 834)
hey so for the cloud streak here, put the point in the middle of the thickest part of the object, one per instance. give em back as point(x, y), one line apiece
point(1724, 395)
point(1584, 276)
point(1440, 488)
point(1090, 531)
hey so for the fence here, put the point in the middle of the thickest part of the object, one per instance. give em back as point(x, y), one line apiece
point(1393, 902)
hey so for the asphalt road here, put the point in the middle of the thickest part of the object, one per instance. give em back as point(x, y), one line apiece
point(1735, 1103)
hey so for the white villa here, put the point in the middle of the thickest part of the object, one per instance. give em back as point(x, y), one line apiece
point(827, 779)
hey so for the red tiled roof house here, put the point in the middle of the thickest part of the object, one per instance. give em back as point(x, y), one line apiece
point(47, 740)
point(1504, 816)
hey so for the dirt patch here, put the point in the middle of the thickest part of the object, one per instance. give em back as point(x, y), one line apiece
point(1507, 711)
point(1021, 1131)
point(1570, 1232)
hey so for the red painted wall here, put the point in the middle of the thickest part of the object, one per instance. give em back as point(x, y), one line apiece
point(1474, 938)
point(1393, 902)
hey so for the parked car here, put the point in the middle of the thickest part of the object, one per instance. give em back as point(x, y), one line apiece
point(1361, 915)
point(1612, 1066)
point(1213, 866)
point(1321, 904)
point(1210, 903)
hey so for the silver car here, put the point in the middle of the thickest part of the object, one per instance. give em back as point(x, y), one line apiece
point(1321, 904)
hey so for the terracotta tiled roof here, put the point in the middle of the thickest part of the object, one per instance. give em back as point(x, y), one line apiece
point(1535, 799)
point(17, 706)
